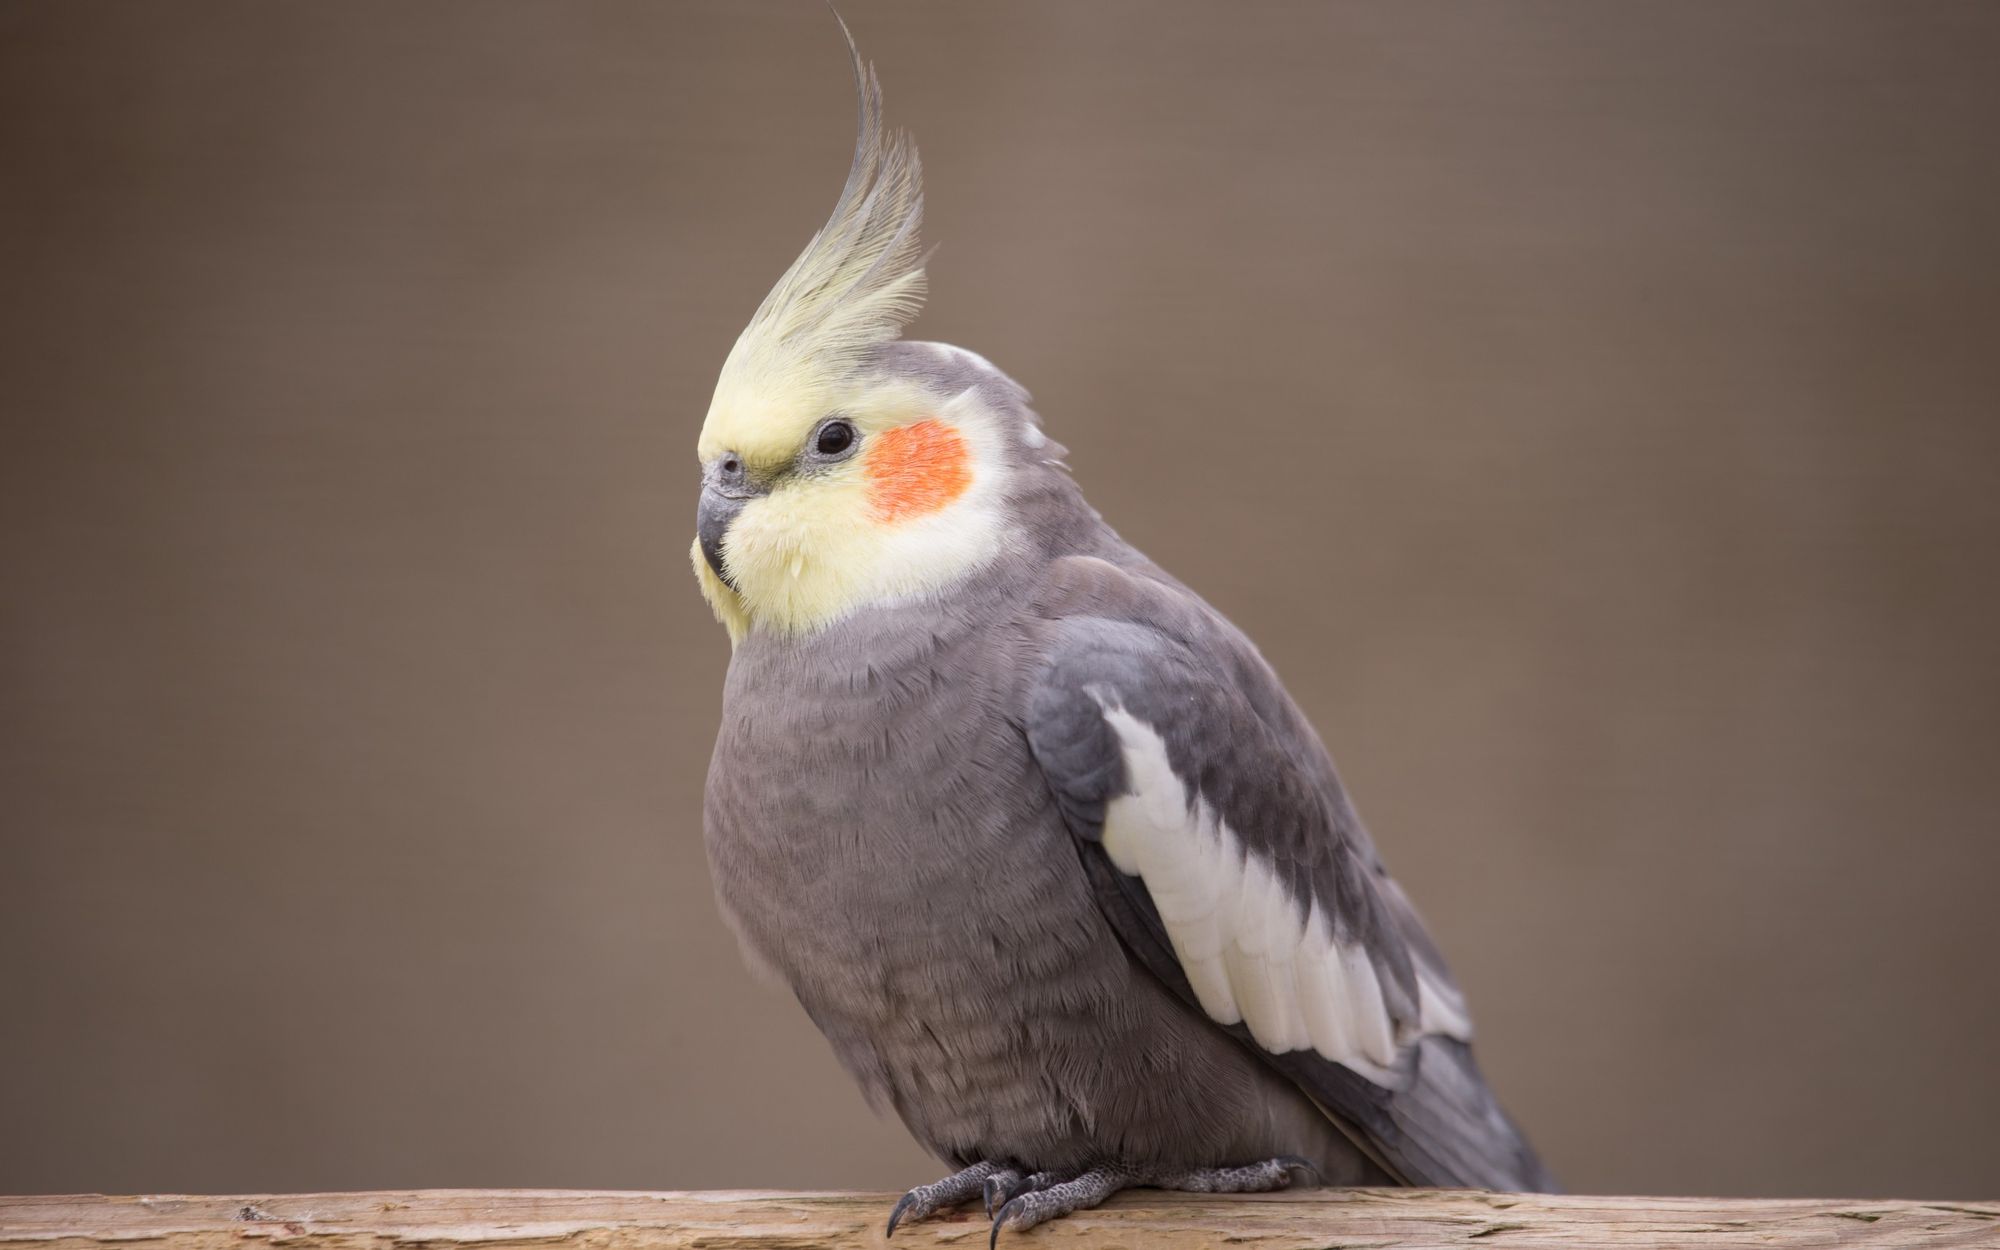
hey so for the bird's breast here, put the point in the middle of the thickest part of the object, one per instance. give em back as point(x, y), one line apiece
point(877, 825)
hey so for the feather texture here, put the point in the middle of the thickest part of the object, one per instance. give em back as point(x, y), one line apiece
point(1235, 870)
point(1250, 951)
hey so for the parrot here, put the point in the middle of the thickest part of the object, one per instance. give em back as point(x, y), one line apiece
point(1033, 833)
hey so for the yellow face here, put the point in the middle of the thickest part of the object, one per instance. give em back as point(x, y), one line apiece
point(827, 483)
point(817, 502)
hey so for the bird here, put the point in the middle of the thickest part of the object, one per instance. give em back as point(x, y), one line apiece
point(1033, 833)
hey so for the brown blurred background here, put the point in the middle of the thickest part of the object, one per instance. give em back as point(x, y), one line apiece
point(1590, 408)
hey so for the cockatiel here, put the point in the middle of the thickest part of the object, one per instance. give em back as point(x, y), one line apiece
point(1033, 833)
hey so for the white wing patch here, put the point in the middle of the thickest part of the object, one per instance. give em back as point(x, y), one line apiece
point(1249, 951)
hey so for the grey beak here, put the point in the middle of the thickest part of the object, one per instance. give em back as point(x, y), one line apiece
point(711, 521)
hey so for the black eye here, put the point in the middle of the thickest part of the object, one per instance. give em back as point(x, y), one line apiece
point(834, 437)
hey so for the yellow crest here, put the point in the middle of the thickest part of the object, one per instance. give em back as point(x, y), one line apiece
point(855, 285)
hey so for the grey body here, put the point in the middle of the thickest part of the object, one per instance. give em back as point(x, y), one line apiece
point(899, 820)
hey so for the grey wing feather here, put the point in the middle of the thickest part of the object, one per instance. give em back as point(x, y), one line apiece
point(1113, 638)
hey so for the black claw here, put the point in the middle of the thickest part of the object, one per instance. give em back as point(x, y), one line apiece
point(895, 1216)
point(1000, 1221)
point(1293, 1163)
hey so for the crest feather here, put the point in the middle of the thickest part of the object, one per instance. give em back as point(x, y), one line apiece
point(859, 280)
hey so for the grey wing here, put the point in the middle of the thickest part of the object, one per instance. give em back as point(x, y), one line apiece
point(1223, 852)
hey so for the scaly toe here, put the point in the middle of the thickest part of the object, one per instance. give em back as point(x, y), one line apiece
point(1254, 1178)
point(926, 1200)
point(1053, 1198)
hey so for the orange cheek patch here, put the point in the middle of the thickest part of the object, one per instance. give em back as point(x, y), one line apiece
point(916, 469)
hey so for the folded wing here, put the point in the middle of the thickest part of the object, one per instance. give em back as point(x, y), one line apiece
point(1226, 856)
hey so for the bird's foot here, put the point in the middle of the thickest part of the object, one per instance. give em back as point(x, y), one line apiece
point(1256, 1178)
point(1037, 1206)
point(955, 1190)
point(1025, 1201)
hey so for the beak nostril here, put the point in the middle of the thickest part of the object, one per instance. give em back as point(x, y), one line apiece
point(730, 469)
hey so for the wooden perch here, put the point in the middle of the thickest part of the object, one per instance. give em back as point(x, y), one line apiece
point(746, 1220)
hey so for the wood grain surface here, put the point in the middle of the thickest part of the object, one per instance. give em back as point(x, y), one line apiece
point(744, 1220)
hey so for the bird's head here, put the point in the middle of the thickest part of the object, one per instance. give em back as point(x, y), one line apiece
point(837, 472)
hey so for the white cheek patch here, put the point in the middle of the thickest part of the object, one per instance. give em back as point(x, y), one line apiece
point(1251, 954)
point(923, 554)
